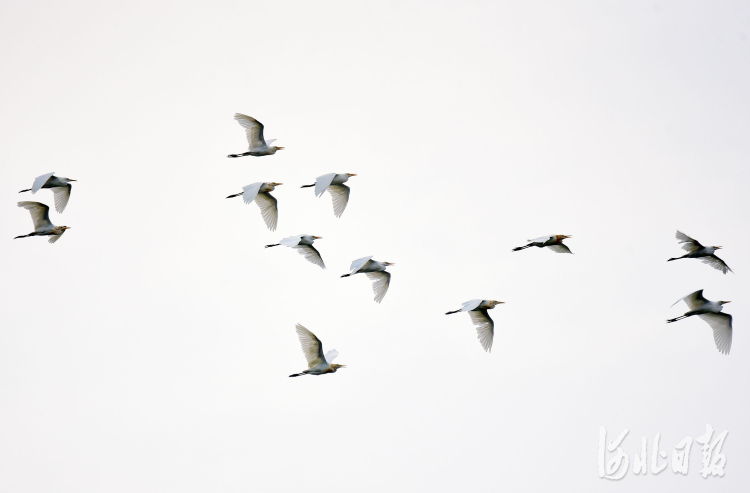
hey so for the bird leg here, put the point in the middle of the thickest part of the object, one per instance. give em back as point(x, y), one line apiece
point(307, 186)
point(27, 190)
point(676, 319)
point(521, 248)
point(275, 244)
point(235, 195)
point(676, 258)
point(346, 275)
point(454, 311)
point(240, 155)
point(23, 236)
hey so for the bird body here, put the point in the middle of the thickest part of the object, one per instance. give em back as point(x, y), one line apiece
point(481, 319)
point(709, 312)
point(554, 242)
point(303, 245)
point(317, 363)
point(42, 225)
point(260, 193)
point(334, 183)
point(376, 272)
point(257, 145)
point(696, 250)
point(59, 185)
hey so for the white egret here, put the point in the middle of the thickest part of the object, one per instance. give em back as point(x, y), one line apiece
point(60, 186)
point(254, 131)
point(312, 347)
point(334, 183)
point(485, 325)
point(554, 242)
point(709, 312)
point(259, 192)
point(375, 272)
point(303, 245)
point(42, 225)
point(696, 250)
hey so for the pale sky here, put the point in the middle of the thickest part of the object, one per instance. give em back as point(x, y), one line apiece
point(149, 349)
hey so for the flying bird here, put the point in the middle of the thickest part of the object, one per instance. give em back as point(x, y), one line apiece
point(254, 131)
point(42, 225)
point(317, 364)
point(334, 183)
point(60, 188)
point(485, 325)
point(709, 312)
point(303, 245)
point(375, 272)
point(696, 250)
point(554, 242)
point(259, 192)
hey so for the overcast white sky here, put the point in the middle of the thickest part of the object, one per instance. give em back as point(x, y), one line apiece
point(149, 349)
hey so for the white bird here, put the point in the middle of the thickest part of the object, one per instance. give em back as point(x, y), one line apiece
point(375, 272)
point(554, 242)
point(696, 250)
point(709, 312)
point(303, 245)
point(485, 325)
point(254, 131)
point(259, 192)
point(42, 225)
point(334, 183)
point(60, 186)
point(317, 364)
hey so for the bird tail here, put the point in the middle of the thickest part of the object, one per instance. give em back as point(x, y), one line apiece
point(346, 275)
point(454, 311)
point(275, 244)
point(307, 186)
point(521, 248)
point(235, 195)
point(239, 155)
point(27, 190)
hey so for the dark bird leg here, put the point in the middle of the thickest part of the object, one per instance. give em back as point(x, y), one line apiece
point(235, 195)
point(454, 311)
point(521, 248)
point(676, 258)
point(346, 275)
point(27, 190)
point(307, 186)
point(240, 155)
point(23, 236)
point(296, 375)
point(676, 319)
point(275, 244)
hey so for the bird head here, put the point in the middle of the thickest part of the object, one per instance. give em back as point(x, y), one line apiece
point(352, 174)
point(274, 184)
point(493, 303)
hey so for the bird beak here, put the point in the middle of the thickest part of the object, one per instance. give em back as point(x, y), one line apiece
point(318, 237)
point(66, 227)
point(717, 248)
point(71, 180)
point(725, 302)
point(352, 174)
point(389, 263)
point(277, 184)
point(279, 148)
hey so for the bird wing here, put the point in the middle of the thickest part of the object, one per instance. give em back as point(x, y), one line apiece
point(40, 181)
point(39, 214)
point(62, 194)
point(311, 255)
point(470, 305)
point(268, 209)
point(380, 282)
point(322, 182)
point(340, 195)
point(716, 263)
point(331, 355)
point(687, 243)
point(311, 346)
point(559, 248)
point(54, 238)
point(359, 263)
point(541, 239)
point(693, 300)
point(250, 191)
point(485, 327)
point(722, 325)
point(253, 130)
